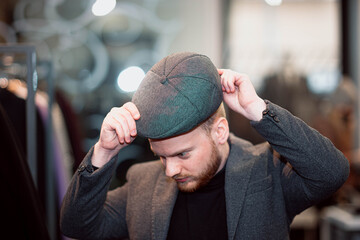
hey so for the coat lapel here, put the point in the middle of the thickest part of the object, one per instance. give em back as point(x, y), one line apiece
point(163, 201)
point(237, 175)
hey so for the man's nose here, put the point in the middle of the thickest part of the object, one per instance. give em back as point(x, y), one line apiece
point(172, 167)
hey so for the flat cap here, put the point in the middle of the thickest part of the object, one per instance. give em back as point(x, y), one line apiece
point(176, 95)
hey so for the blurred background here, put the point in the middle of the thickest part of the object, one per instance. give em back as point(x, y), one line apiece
point(64, 64)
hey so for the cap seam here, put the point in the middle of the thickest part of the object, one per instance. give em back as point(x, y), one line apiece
point(195, 77)
point(155, 73)
point(185, 59)
point(166, 75)
point(164, 72)
point(198, 111)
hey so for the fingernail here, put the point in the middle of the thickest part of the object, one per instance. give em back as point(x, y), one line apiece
point(133, 132)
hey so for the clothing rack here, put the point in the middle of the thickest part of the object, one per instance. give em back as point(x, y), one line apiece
point(31, 80)
point(31, 140)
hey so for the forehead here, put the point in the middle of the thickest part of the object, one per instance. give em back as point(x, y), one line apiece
point(169, 146)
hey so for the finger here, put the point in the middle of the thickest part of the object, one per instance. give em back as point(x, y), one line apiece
point(224, 84)
point(120, 133)
point(221, 71)
point(131, 124)
point(114, 125)
point(231, 82)
point(118, 123)
point(131, 107)
point(123, 118)
point(131, 114)
point(228, 82)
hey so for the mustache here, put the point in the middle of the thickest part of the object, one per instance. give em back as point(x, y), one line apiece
point(178, 176)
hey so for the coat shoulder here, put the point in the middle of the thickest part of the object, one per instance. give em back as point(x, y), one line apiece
point(245, 147)
point(146, 170)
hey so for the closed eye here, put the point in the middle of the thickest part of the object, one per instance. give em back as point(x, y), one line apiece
point(183, 155)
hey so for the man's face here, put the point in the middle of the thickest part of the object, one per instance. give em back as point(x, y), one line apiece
point(191, 159)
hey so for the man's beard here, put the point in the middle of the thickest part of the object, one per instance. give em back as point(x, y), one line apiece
point(205, 176)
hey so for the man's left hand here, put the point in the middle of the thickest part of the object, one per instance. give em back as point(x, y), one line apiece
point(240, 95)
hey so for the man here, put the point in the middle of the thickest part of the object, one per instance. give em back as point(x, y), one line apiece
point(208, 183)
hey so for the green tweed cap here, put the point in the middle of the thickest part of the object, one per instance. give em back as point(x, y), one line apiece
point(176, 95)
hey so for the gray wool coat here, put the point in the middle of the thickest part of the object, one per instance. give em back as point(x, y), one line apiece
point(266, 185)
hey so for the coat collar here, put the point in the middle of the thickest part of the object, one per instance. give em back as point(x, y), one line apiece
point(237, 175)
point(163, 201)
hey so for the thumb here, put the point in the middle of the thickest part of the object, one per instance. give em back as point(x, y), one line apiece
point(220, 71)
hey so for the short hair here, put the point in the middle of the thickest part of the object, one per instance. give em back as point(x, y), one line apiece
point(208, 123)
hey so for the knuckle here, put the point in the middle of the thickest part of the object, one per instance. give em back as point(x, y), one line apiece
point(114, 109)
point(119, 131)
point(128, 106)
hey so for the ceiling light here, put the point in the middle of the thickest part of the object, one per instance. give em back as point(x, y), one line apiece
point(130, 79)
point(103, 7)
point(273, 2)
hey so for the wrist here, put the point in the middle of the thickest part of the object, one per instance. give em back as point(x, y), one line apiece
point(101, 156)
point(256, 110)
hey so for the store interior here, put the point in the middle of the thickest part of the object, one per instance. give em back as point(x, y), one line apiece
point(64, 64)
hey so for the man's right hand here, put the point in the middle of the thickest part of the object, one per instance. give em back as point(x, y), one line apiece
point(117, 131)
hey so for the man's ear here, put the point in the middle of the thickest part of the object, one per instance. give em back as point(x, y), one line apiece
point(220, 130)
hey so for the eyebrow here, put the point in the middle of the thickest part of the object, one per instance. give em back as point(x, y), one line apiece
point(175, 153)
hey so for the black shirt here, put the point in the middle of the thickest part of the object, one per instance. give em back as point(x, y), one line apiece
point(201, 214)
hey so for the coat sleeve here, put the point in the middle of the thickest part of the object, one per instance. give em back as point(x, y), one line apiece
point(87, 212)
point(318, 169)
